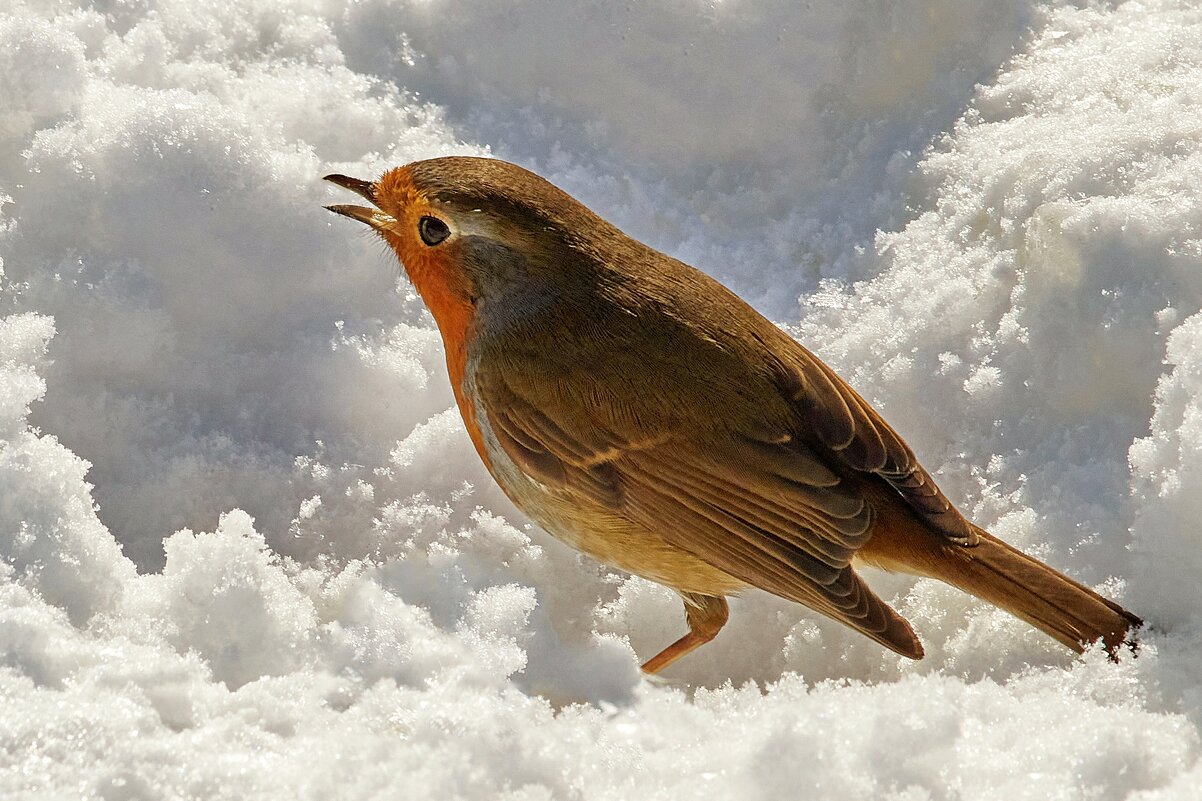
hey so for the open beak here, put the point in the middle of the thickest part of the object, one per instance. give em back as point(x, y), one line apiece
point(373, 217)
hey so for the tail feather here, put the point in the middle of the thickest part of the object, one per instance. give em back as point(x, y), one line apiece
point(1068, 611)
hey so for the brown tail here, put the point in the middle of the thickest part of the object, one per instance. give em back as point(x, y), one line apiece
point(1050, 601)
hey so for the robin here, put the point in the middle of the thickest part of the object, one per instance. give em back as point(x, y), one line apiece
point(644, 414)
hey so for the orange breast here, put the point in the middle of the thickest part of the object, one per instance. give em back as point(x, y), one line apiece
point(456, 366)
point(455, 318)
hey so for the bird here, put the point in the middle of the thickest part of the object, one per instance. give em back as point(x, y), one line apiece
point(641, 412)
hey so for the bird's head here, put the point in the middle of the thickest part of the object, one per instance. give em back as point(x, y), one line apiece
point(475, 233)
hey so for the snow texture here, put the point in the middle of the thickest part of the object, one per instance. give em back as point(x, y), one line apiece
point(248, 551)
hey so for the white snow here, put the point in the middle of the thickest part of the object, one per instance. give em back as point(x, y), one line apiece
point(248, 550)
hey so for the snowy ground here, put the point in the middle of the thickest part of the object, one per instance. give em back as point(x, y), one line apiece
point(248, 551)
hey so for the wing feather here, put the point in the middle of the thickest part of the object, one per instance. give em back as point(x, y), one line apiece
point(856, 434)
point(769, 513)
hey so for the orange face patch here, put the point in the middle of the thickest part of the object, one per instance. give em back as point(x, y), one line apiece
point(438, 277)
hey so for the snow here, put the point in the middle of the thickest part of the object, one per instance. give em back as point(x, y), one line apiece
point(248, 550)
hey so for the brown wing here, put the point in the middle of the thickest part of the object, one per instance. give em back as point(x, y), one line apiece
point(857, 435)
point(767, 511)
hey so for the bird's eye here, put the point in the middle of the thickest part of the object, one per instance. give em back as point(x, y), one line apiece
point(432, 230)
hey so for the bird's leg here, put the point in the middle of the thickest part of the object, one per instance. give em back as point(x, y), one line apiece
point(706, 615)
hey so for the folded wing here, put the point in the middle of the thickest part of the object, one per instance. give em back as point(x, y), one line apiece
point(763, 507)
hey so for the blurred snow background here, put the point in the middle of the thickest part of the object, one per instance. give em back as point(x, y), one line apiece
point(248, 551)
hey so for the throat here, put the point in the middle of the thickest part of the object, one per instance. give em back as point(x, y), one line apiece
point(449, 302)
point(456, 323)
point(446, 292)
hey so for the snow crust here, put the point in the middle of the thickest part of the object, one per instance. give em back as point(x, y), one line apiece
point(248, 551)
